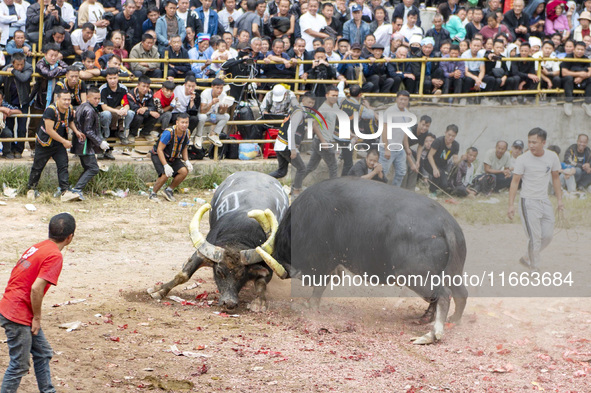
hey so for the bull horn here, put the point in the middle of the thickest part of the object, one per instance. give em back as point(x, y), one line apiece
point(269, 223)
point(273, 264)
point(208, 250)
point(249, 257)
point(196, 236)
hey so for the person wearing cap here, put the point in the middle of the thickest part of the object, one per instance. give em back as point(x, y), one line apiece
point(516, 150)
point(411, 28)
point(278, 101)
point(355, 29)
point(438, 33)
point(168, 25)
point(351, 71)
point(576, 16)
point(213, 110)
point(377, 72)
point(199, 52)
point(146, 50)
point(582, 30)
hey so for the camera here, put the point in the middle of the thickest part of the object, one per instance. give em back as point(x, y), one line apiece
point(108, 16)
point(496, 57)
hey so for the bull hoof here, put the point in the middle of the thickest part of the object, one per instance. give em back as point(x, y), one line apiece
point(454, 319)
point(428, 338)
point(156, 295)
point(258, 305)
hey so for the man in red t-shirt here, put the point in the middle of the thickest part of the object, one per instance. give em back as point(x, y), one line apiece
point(164, 101)
point(20, 307)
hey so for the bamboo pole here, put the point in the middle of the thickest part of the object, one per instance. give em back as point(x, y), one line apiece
point(165, 72)
point(41, 22)
point(539, 89)
point(422, 77)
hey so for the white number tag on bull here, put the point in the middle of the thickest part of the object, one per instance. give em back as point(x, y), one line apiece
point(229, 203)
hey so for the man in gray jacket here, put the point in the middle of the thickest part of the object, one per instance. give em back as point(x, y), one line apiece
point(146, 50)
point(21, 78)
point(88, 123)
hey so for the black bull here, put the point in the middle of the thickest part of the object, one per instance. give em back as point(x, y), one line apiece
point(370, 227)
point(232, 238)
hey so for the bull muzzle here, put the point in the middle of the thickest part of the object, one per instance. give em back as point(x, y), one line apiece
point(269, 223)
point(208, 250)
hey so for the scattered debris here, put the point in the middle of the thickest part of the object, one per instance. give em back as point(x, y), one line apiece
point(192, 286)
point(70, 302)
point(2, 203)
point(30, 207)
point(182, 301)
point(117, 193)
point(201, 370)
point(9, 192)
point(70, 326)
point(175, 351)
point(223, 314)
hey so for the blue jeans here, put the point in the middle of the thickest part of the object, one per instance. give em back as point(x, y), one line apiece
point(21, 345)
point(399, 160)
point(109, 120)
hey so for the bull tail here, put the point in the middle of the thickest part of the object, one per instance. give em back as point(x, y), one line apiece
point(456, 246)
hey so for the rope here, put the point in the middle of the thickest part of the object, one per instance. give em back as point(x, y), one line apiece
point(563, 223)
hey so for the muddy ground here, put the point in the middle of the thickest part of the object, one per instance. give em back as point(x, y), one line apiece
point(123, 246)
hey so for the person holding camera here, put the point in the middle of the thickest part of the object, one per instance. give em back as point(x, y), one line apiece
point(321, 70)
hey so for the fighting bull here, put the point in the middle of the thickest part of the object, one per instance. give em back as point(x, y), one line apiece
point(369, 227)
point(233, 236)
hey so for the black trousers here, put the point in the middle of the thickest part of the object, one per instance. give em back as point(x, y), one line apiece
point(381, 83)
point(568, 83)
point(457, 85)
point(91, 169)
point(58, 152)
point(489, 80)
point(21, 122)
point(6, 146)
point(284, 159)
point(145, 121)
point(556, 82)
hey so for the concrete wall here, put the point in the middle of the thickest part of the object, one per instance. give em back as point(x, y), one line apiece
point(507, 123)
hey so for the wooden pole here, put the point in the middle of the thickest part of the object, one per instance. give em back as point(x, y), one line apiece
point(539, 73)
point(165, 73)
point(422, 77)
point(41, 21)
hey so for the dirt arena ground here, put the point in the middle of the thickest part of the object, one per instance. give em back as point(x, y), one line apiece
point(123, 246)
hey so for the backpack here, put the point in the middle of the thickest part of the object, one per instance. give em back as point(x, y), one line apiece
point(247, 131)
point(196, 154)
point(228, 150)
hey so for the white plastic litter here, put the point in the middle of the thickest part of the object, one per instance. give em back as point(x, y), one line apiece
point(490, 201)
point(30, 207)
point(175, 351)
point(9, 192)
point(70, 326)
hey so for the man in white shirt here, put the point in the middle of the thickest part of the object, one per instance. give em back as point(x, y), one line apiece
point(534, 169)
point(183, 10)
point(67, 13)
point(410, 28)
point(310, 25)
point(228, 15)
point(213, 110)
point(84, 39)
point(12, 18)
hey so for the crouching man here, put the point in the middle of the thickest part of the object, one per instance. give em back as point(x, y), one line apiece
point(88, 121)
point(170, 156)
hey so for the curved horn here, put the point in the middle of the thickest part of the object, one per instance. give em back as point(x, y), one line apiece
point(269, 223)
point(208, 250)
point(249, 257)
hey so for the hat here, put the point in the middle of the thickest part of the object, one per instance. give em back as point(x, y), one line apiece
point(518, 143)
point(278, 93)
point(244, 46)
point(415, 39)
point(202, 37)
point(427, 41)
point(343, 40)
point(535, 41)
point(356, 7)
point(356, 46)
point(585, 15)
point(377, 46)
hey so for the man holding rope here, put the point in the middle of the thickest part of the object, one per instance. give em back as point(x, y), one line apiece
point(534, 168)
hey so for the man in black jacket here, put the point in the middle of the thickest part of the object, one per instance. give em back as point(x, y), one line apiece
point(141, 102)
point(517, 21)
point(126, 23)
point(61, 37)
point(321, 70)
point(20, 80)
point(401, 11)
point(88, 123)
point(525, 70)
point(377, 73)
point(369, 167)
point(176, 51)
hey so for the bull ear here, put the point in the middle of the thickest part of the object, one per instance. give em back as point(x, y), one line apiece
point(211, 252)
point(250, 257)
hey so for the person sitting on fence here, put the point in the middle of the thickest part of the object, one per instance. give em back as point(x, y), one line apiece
point(199, 52)
point(377, 73)
point(213, 109)
point(49, 68)
point(61, 38)
point(115, 109)
point(497, 162)
point(141, 102)
point(88, 121)
point(367, 51)
point(87, 66)
point(288, 142)
point(83, 39)
point(170, 156)
point(102, 53)
point(167, 23)
point(576, 75)
point(369, 167)
point(164, 102)
point(550, 69)
point(177, 52)
point(114, 61)
point(284, 69)
point(398, 71)
point(462, 175)
point(434, 78)
point(73, 85)
point(52, 142)
point(7, 110)
point(17, 87)
point(454, 72)
point(476, 79)
point(496, 68)
point(525, 71)
point(146, 50)
point(18, 45)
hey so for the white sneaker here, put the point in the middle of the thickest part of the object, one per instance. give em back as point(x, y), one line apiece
point(198, 142)
point(215, 140)
point(568, 108)
point(463, 102)
point(32, 195)
point(587, 108)
point(70, 196)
